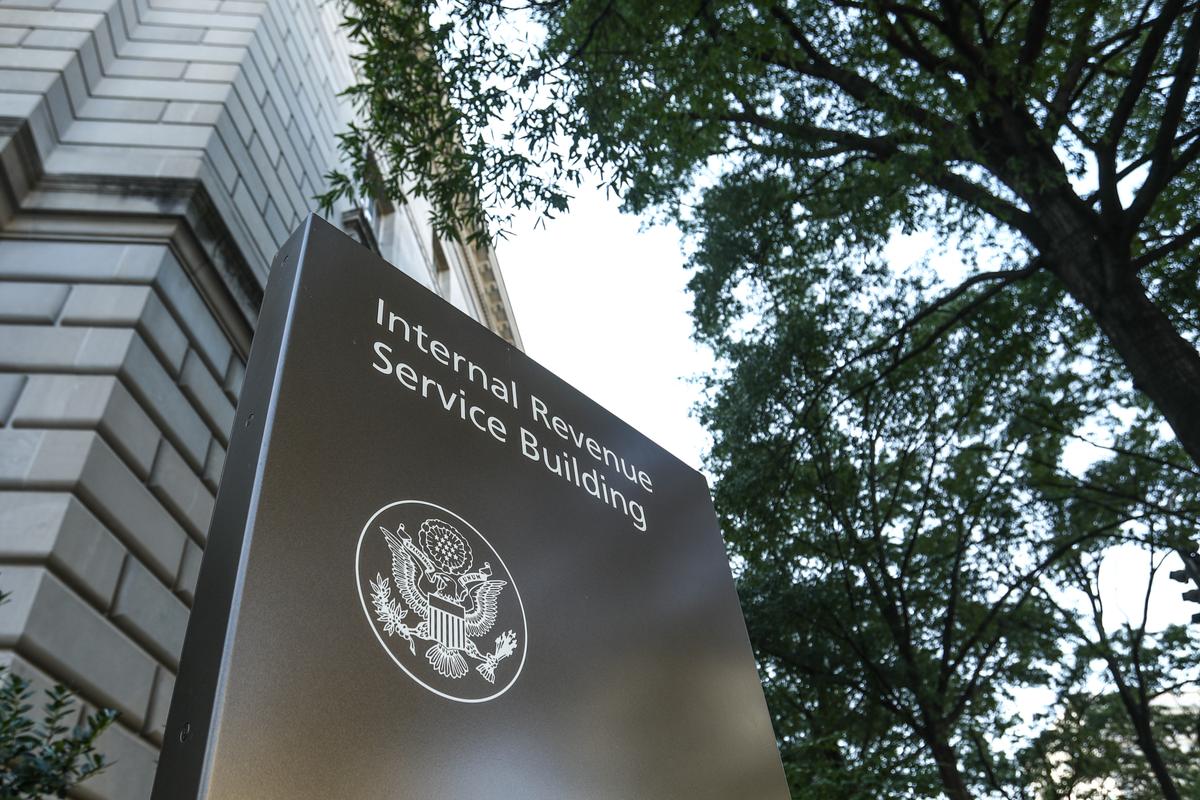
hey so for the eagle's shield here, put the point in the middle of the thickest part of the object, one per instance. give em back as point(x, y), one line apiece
point(447, 623)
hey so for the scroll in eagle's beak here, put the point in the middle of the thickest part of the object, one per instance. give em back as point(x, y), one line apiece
point(400, 533)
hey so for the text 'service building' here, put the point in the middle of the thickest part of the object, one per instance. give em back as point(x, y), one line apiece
point(154, 155)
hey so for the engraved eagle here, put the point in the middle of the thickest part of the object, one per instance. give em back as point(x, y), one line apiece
point(435, 582)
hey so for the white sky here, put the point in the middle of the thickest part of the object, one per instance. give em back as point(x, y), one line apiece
point(603, 305)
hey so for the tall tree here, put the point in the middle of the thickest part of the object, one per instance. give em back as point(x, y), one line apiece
point(906, 533)
point(1050, 139)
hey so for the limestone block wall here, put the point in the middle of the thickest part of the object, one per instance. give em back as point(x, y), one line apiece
point(240, 96)
point(153, 156)
point(117, 392)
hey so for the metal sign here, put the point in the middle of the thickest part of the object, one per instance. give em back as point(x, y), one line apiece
point(436, 570)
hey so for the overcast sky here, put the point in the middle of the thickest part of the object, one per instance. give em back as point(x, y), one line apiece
point(603, 305)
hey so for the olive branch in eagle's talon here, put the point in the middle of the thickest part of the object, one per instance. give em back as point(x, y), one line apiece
point(506, 645)
point(389, 612)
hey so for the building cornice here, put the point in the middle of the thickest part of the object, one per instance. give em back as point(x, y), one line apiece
point(487, 282)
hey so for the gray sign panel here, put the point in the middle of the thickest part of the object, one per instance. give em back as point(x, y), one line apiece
point(437, 571)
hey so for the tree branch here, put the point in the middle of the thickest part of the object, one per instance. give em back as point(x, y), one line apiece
point(1163, 250)
point(853, 84)
point(1002, 279)
point(1164, 141)
point(1060, 104)
point(1035, 32)
point(1110, 201)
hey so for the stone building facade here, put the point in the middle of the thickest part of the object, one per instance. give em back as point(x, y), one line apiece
point(153, 156)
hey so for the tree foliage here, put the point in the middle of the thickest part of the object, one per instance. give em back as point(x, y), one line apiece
point(1089, 750)
point(45, 752)
point(1089, 753)
point(906, 532)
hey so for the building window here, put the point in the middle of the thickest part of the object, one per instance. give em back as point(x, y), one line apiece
point(441, 268)
point(360, 223)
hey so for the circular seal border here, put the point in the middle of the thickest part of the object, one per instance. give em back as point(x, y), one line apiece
point(371, 622)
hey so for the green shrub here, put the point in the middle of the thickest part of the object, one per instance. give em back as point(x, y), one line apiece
point(46, 754)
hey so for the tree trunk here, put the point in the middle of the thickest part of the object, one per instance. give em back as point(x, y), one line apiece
point(1149, 748)
point(1139, 717)
point(947, 763)
point(1164, 366)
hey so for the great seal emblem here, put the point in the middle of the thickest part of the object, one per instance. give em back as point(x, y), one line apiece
point(441, 601)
